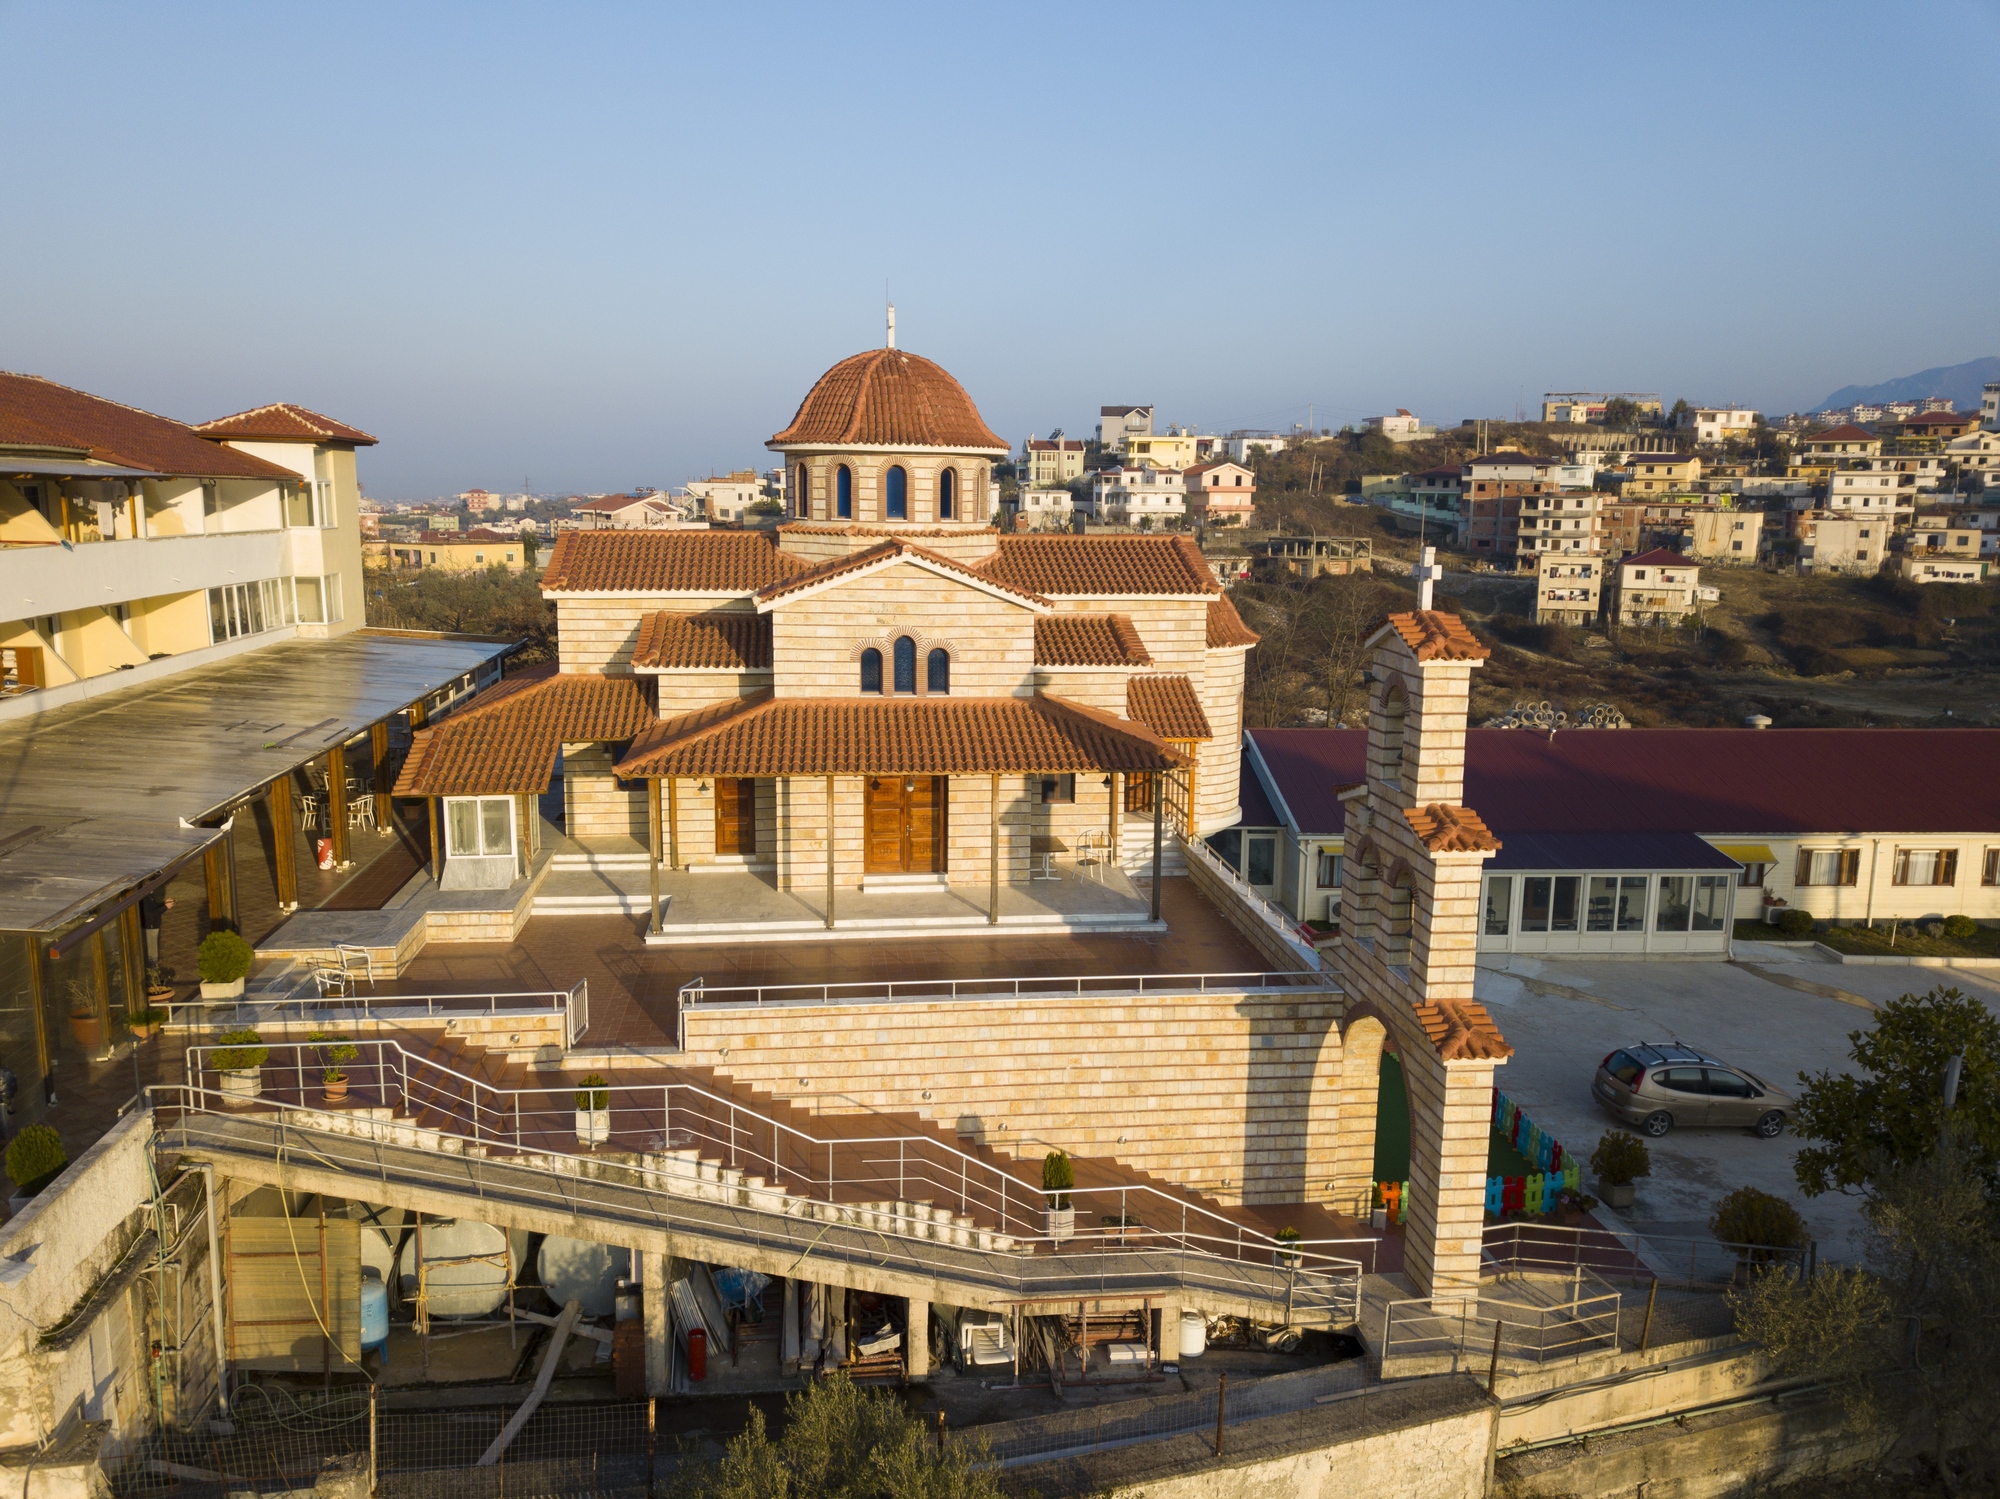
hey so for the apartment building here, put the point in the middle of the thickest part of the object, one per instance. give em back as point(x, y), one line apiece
point(1048, 461)
point(1402, 427)
point(1565, 521)
point(128, 539)
point(1129, 496)
point(1653, 588)
point(1976, 456)
point(1711, 424)
point(725, 497)
point(1932, 426)
point(1118, 425)
point(1588, 406)
point(1493, 486)
point(1838, 541)
point(457, 551)
point(1568, 587)
point(1837, 445)
point(1241, 447)
point(1925, 568)
point(1221, 493)
point(1043, 510)
point(1661, 473)
point(1989, 406)
point(1429, 504)
point(1173, 449)
point(1872, 491)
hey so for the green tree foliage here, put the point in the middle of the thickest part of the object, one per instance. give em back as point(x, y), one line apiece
point(1620, 1158)
point(35, 1157)
point(223, 957)
point(1759, 1220)
point(493, 602)
point(1621, 415)
point(840, 1442)
point(1888, 1119)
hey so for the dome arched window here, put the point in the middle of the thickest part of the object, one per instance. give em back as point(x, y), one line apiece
point(906, 664)
point(871, 670)
point(802, 496)
point(947, 493)
point(843, 492)
point(896, 493)
point(937, 671)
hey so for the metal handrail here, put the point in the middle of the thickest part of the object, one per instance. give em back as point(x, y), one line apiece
point(498, 1119)
point(1273, 914)
point(1581, 1325)
point(573, 1003)
point(1512, 1248)
point(697, 992)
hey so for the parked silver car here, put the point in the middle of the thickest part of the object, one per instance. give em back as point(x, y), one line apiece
point(1656, 1086)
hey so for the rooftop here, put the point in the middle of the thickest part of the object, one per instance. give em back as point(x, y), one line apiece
point(282, 421)
point(38, 413)
point(889, 398)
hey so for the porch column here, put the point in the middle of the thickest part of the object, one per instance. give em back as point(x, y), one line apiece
point(673, 822)
point(1117, 812)
point(132, 958)
point(284, 856)
point(378, 744)
point(993, 855)
point(100, 983)
point(524, 811)
point(829, 852)
point(37, 954)
point(217, 869)
point(433, 808)
point(336, 802)
point(1193, 783)
point(1159, 814)
point(653, 867)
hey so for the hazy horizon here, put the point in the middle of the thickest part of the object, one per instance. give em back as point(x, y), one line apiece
point(613, 245)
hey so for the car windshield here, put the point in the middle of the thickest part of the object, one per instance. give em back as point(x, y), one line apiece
point(1624, 1066)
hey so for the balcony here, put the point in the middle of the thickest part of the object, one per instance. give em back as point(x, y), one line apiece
point(54, 578)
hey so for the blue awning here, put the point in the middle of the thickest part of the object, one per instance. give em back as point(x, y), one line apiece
point(1608, 851)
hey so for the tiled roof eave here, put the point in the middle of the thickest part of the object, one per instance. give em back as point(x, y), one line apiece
point(819, 444)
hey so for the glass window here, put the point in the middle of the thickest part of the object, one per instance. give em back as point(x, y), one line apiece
point(1722, 1084)
point(871, 670)
point(252, 601)
point(1632, 903)
point(906, 664)
point(937, 671)
point(948, 493)
point(1535, 903)
point(1327, 870)
point(1926, 866)
point(896, 493)
point(1262, 861)
point(843, 492)
point(496, 825)
point(479, 826)
point(461, 826)
point(1568, 887)
point(1711, 902)
point(1601, 911)
point(802, 494)
point(1990, 872)
point(1228, 846)
point(1624, 1067)
point(1499, 898)
point(1058, 789)
point(1673, 913)
point(312, 610)
point(329, 588)
point(218, 620)
point(1681, 1080)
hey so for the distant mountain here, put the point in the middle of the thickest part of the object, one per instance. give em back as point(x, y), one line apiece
point(1961, 382)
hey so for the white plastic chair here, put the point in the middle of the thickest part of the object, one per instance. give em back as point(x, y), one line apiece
point(356, 962)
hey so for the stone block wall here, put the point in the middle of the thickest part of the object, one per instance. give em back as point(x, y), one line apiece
point(816, 643)
point(596, 804)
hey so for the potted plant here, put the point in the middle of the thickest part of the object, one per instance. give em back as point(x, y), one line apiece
point(1378, 1211)
point(239, 1062)
point(145, 1023)
point(1121, 1226)
point(1571, 1205)
point(84, 1021)
point(593, 1111)
point(1619, 1160)
point(224, 959)
point(1058, 1178)
point(335, 1052)
point(159, 985)
point(1288, 1252)
point(35, 1157)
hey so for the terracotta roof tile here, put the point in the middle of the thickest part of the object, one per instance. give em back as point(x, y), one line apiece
point(281, 422)
point(889, 398)
point(1089, 640)
point(805, 736)
point(1226, 627)
point(848, 528)
point(478, 535)
point(888, 551)
point(506, 740)
point(1167, 705)
point(703, 642)
point(1847, 433)
point(1101, 566)
point(1462, 1031)
point(666, 562)
point(1450, 830)
point(1433, 635)
point(40, 413)
point(1658, 557)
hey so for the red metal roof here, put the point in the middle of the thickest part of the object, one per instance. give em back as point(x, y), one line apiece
point(1714, 781)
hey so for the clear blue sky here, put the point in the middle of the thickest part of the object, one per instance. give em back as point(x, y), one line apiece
point(597, 245)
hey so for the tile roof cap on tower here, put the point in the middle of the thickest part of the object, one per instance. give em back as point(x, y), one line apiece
point(1462, 1031)
point(1433, 635)
point(1226, 627)
point(1450, 830)
point(284, 421)
point(889, 398)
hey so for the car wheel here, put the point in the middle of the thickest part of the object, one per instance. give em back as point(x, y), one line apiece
point(1771, 1125)
point(1658, 1124)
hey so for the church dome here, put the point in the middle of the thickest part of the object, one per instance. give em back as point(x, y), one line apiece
point(887, 398)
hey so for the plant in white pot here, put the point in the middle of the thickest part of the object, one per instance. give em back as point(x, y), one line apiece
point(224, 958)
point(1058, 1178)
point(1619, 1160)
point(593, 1111)
point(239, 1061)
point(1287, 1252)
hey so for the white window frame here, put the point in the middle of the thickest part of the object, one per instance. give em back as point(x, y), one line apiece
point(479, 803)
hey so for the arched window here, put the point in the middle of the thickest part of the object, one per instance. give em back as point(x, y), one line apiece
point(896, 493)
point(947, 493)
point(906, 664)
point(802, 496)
point(1396, 929)
point(937, 671)
point(871, 670)
point(843, 492)
point(1394, 710)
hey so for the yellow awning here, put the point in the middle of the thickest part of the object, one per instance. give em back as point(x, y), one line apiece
point(1748, 853)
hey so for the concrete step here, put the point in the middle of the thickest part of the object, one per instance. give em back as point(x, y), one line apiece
point(590, 862)
point(608, 903)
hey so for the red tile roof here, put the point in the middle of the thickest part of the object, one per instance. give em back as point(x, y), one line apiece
point(666, 562)
point(1166, 704)
point(1101, 566)
point(1847, 433)
point(1450, 830)
point(506, 739)
point(611, 504)
point(1433, 635)
point(1713, 781)
point(477, 535)
point(888, 551)
point(1461, 1030)
point(703, 642)
point(889, 398)
point(40, 413)
point(1226, 627)
point(1657, 557)
point(807, 736)
point(284, 422)
point(1089, 640)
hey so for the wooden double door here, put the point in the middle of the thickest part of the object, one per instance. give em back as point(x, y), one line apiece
point(905, 825)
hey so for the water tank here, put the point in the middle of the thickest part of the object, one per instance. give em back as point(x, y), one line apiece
point(1756, 721)
point(1194, 1335)
point(588, 1271)
point(374, 1311)
point(465, 1267)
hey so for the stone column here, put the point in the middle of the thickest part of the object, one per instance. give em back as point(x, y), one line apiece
point(1167, 1346)
point(284, 865)
point(993, 853)
point(1451, 1117)
point(653, 854)
point(653, 1306)
point(917, 1339)
point(336, 803)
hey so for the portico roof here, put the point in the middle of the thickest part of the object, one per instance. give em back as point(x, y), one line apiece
point(761, 735)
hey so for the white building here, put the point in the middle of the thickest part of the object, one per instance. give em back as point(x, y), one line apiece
point(1566, 521)
point(1568, 589)
point(1402, 427)
point(725, 497)
point(1872, 491)
point(1242, 446)
point(1718, 423)
point(1989, 406)
point(1044, 510)
point(1126, 496)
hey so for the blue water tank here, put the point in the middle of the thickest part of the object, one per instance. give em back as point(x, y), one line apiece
point(374, 1312)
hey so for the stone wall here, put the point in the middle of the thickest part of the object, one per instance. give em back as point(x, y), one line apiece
point(596, 804)
point(596, 634)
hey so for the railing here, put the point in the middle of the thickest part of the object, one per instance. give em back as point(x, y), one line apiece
point(1493, 1329)
point(701, 1145)
point(1269, 911)
point(1675, 1263)
point(573, 1004)
point(698, 993)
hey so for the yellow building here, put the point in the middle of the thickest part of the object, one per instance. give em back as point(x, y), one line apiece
point(461, 551)
point(1175, 450)
point(1661, 473)
point(1052, 461)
